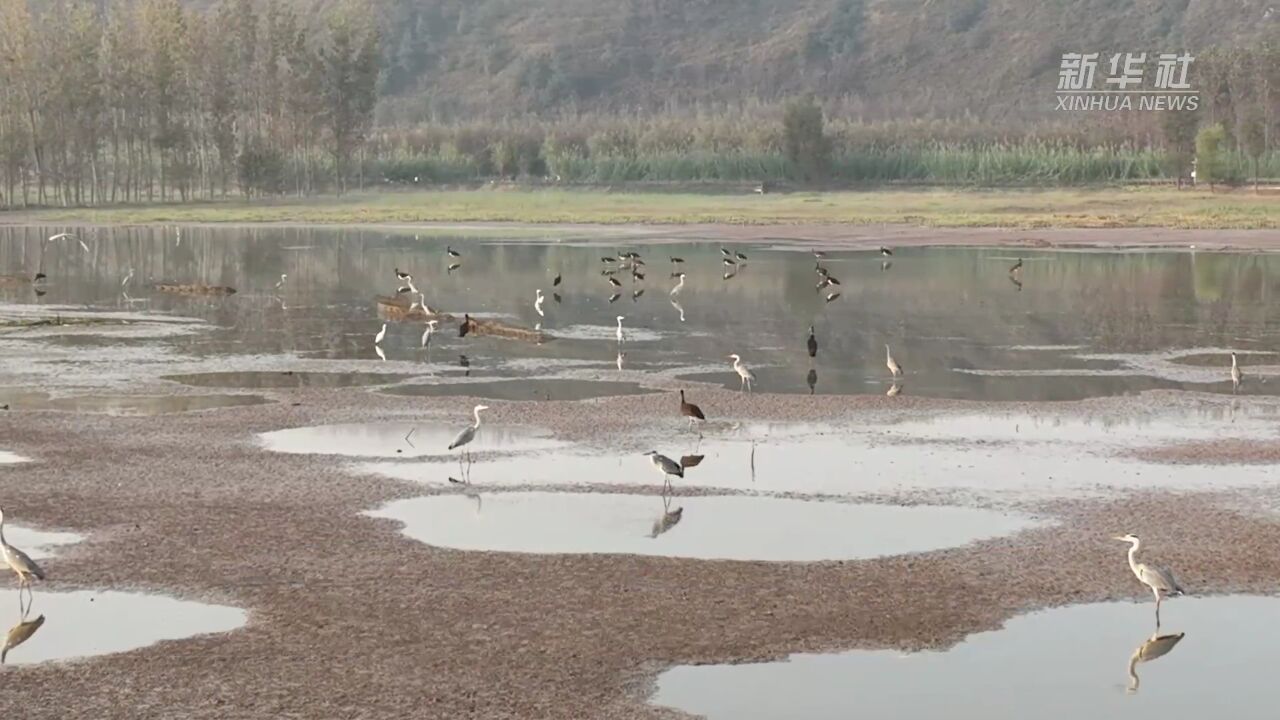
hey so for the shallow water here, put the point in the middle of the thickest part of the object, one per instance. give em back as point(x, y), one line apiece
point(405, 439)
point(1067, 663)
point(284, 379)
point(706, 527)
point(89, 623)
point(981, 453)
point(39, 544)
point(1080, 324)
point(127, 404)
point(522, 390)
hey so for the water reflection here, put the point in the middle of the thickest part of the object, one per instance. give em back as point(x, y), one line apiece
point(1057, 663)
point(727, 527)
point(20, 633)
point(946, 309)
point(1154, 647)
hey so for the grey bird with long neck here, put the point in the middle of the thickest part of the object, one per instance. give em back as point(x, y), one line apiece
point(1159, 579)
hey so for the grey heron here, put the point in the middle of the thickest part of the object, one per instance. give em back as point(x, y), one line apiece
point(679, 285)
point(691, 411)
point(468, 434)
point(1154, 647)
point(812, 343)
point(743, 373)
point(1159, 579)
point(19, 562)
point(537, 302)
point(382, 334)
point(426, 334)
point(618, 333)
point(670, 518)
point(666, 466)
point(1236, 375)
point(894, 368)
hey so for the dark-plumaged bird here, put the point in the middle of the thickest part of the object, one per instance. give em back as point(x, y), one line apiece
point(465, 327)
point(556, 282)
point(403, 275)
point(689, 410)
point(886, 251)
point(817, 267)
point(453, 267)
point(635, 295)
point(831, 297)
point(676, 260)
point(451, 252)
point(614, 298)
point(726, 253)
point(637, 276)
point(614, 282)
point(741, 257)
point(812, 380)
point(608, 260)
point(1016, 266)
point(813, 343)
point(729, 262)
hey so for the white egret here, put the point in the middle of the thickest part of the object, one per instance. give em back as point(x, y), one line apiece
point(537, 303)
point(426, 334)
point(743, 373)
point(382, 334)
point(618, 334)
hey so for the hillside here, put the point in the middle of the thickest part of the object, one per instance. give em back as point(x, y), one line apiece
point(884, 58)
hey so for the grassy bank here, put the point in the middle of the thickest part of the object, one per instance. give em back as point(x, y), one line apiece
point(1085, 208)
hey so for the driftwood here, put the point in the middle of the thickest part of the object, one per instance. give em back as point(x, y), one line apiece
point(400, 309)
point(194, 289)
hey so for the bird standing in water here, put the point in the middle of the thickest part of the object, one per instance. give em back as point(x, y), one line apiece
point(537, 302)
point(1159, 579)
point(885, 252)
point(618, 333)
point(19, 562)
point(1016, 266)
point(743, 373)
point(666, 466)
point(467, 435)
point(1236, 375)
point(382, 334)
point(894, 368)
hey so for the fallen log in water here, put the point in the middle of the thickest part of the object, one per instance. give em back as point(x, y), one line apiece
point(400, 309)
point(194, 289)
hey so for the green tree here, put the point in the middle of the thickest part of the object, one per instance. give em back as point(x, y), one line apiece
point(1253, 139)
point(1179, 130)
point(804, 140)
point(348, 64)
point(1210, 163)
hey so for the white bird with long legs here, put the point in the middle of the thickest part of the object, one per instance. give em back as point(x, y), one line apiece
point(426, 334)
point(744, 373)
point(467, 435)
point(382, 334)
point(537, 302)
point(618, 334)
point(1159, 579)
point(1236, 375)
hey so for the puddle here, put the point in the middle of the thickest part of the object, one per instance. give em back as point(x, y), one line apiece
point(39, 544)
point(88, 623)
point(128, 404)
point(1077, 662)
point(1076, 325)
point(395, 440)
point(705, 527)
point(285, 379)
point(1223, 360)
point(984, 455)
point(523, 390)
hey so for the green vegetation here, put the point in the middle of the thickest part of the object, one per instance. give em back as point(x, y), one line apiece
point(1090, 208)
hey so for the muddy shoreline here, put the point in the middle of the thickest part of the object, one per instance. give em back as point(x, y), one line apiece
point(348, 618)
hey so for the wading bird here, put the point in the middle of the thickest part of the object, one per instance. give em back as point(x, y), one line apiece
point(726, 253)
point(679, 285)
point(1236, 375)
point(283, 277)
point(1016, 266)
point(729, 262)
point(618, 333)
point(537, 303)
point(818, 254)
point(128, 276)
point(743, 373)
point(1155, 647)
point(1159, 579)
point(468, 434)
point(426, 334)
point(894, 368)
point(453, 267)
point(832, 296)
point(614, 297)
point(812, 343)
point(377, 339)
point(614, 282)
point(666, 466)
point(691, 411)
point(607, 259)
point(741, 257)
point(19, 562)
point(556, 281)
point(403, 275)
point(885, 252)
point(451, 252)
point(812, 380)
point(635, 294)
point(676, 260)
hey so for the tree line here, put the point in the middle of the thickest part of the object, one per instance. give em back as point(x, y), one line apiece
point(154, 101)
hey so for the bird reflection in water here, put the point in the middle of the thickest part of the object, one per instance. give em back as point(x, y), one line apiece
point(19, 634)
point(670, 518)
point(1154, 647)
point(465, 363)
point(812, 380)
point(679, 308)
point(894, 390)
point(1016, 282)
